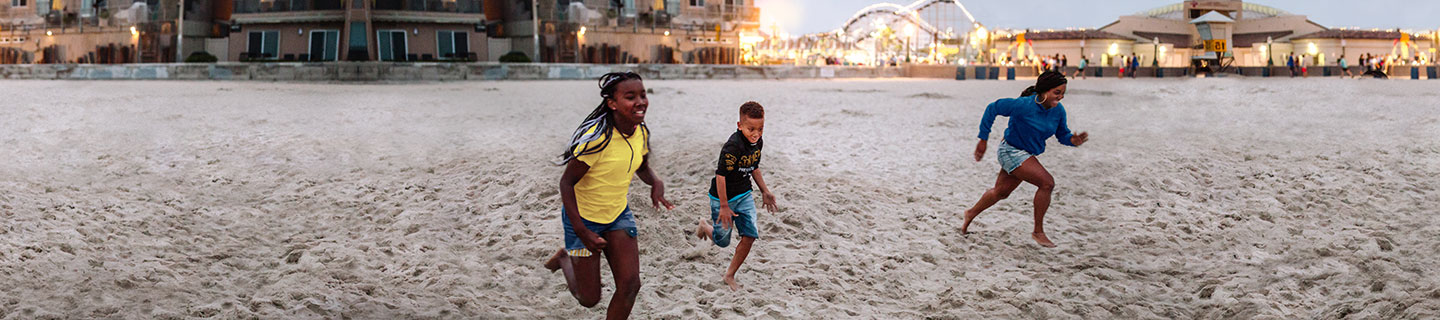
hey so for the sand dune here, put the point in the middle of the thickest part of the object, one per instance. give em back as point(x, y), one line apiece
point(1199, 198)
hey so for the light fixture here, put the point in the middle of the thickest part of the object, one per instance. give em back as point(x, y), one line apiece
point(47, 33)
point(133, 31)
point(415, 30)
point(300, 31)
point(667, 33)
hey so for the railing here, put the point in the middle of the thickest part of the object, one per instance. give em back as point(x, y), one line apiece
point(452, 6)
point(266, 6)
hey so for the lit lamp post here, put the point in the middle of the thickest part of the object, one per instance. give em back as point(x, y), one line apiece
point(1269, 55)
point(1155, 54)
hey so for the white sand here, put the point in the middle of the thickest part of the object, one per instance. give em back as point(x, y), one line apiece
point(1201, 198)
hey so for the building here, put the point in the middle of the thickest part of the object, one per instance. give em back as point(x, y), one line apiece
point(1247, 34)
point(639, 31)
point(350, 30)
point(96, 31)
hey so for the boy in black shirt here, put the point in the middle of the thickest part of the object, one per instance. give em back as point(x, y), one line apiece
point(739, 161)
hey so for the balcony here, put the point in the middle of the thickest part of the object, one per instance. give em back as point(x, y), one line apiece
point(440, 6)
point(273, 6)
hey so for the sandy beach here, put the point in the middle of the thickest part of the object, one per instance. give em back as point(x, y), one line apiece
point(1195, 198)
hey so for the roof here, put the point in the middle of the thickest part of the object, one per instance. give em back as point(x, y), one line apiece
point(1179, 40)
point(1213, 17)
point(1356, 34)
point(1177, 11)
point(1244, 40)
point(1069, 35)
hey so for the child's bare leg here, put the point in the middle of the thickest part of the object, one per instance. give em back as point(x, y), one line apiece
point(741, 251)
point(704, 231)
point(624, 257)
point(1004, 184)
point(583, 282)
point(1033, 172)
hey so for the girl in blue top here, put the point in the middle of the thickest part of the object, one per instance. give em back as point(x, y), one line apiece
point(1034, 117)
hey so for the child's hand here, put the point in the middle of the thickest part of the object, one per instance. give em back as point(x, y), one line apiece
point(657, 197)
point(1080, 139)
point(592, 241)
point(726, 217)
point(769, 202)
point(979, 150)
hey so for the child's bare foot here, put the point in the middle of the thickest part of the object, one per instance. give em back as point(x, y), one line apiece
point(704, 230)
point(969, 216)
point(554, 262)
point(1042, 240)
point(734, 286)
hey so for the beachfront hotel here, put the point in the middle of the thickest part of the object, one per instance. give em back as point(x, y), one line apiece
point(351, 30)
point(104, 31)
point(646, 31)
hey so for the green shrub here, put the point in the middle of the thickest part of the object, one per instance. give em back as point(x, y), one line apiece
point(515, 56)
point(201, 57)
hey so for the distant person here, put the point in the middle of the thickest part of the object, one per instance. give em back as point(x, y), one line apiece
point(609, 148)
point(1345, 68)
point(1034, 117)
point(732, 203)
point(1122, 67)
point(1081, 70)
point(1134, 65)
point(1305, 65)
point(1290, 64)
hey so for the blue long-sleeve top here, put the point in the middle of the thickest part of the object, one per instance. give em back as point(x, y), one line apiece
point(1030, 123)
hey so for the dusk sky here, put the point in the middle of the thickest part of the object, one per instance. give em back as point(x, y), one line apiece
point(810, 16)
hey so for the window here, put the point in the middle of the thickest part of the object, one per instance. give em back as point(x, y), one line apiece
point(264, 44)
point(392, 45)
point(697, 3)
point(359, 46)
point(17, 3)
point(453, 44)
point(323, 45)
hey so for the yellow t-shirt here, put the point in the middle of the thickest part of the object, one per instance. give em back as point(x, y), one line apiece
point(602, 193)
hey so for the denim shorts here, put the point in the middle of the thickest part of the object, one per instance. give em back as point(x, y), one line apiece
point(576, 248)
point(744, 206)
point(1011, 157)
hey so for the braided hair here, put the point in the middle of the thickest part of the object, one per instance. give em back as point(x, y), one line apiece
point(1048, 80)
point(601, 120)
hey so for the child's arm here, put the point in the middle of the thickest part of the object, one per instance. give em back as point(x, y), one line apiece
point(725, 212)
point(573, 172)
point(1063, 134)
point(768, 199)
point(997, 108)
point(657, 187)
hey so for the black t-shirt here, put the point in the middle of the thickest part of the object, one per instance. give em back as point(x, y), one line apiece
point(738, 158)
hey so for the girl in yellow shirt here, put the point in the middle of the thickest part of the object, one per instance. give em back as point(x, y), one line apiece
point(610, 147)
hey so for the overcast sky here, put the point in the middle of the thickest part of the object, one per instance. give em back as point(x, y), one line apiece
point(810, 16)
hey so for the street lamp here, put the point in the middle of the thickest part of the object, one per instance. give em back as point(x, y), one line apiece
point(1155, 54)
point(1269, 56)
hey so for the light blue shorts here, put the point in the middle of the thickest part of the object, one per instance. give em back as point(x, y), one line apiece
point(1011, 157)
point(744, 206)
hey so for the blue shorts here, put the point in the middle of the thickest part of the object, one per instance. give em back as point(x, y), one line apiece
point(575, 248)
point(1011, 157)
point(744, 206)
